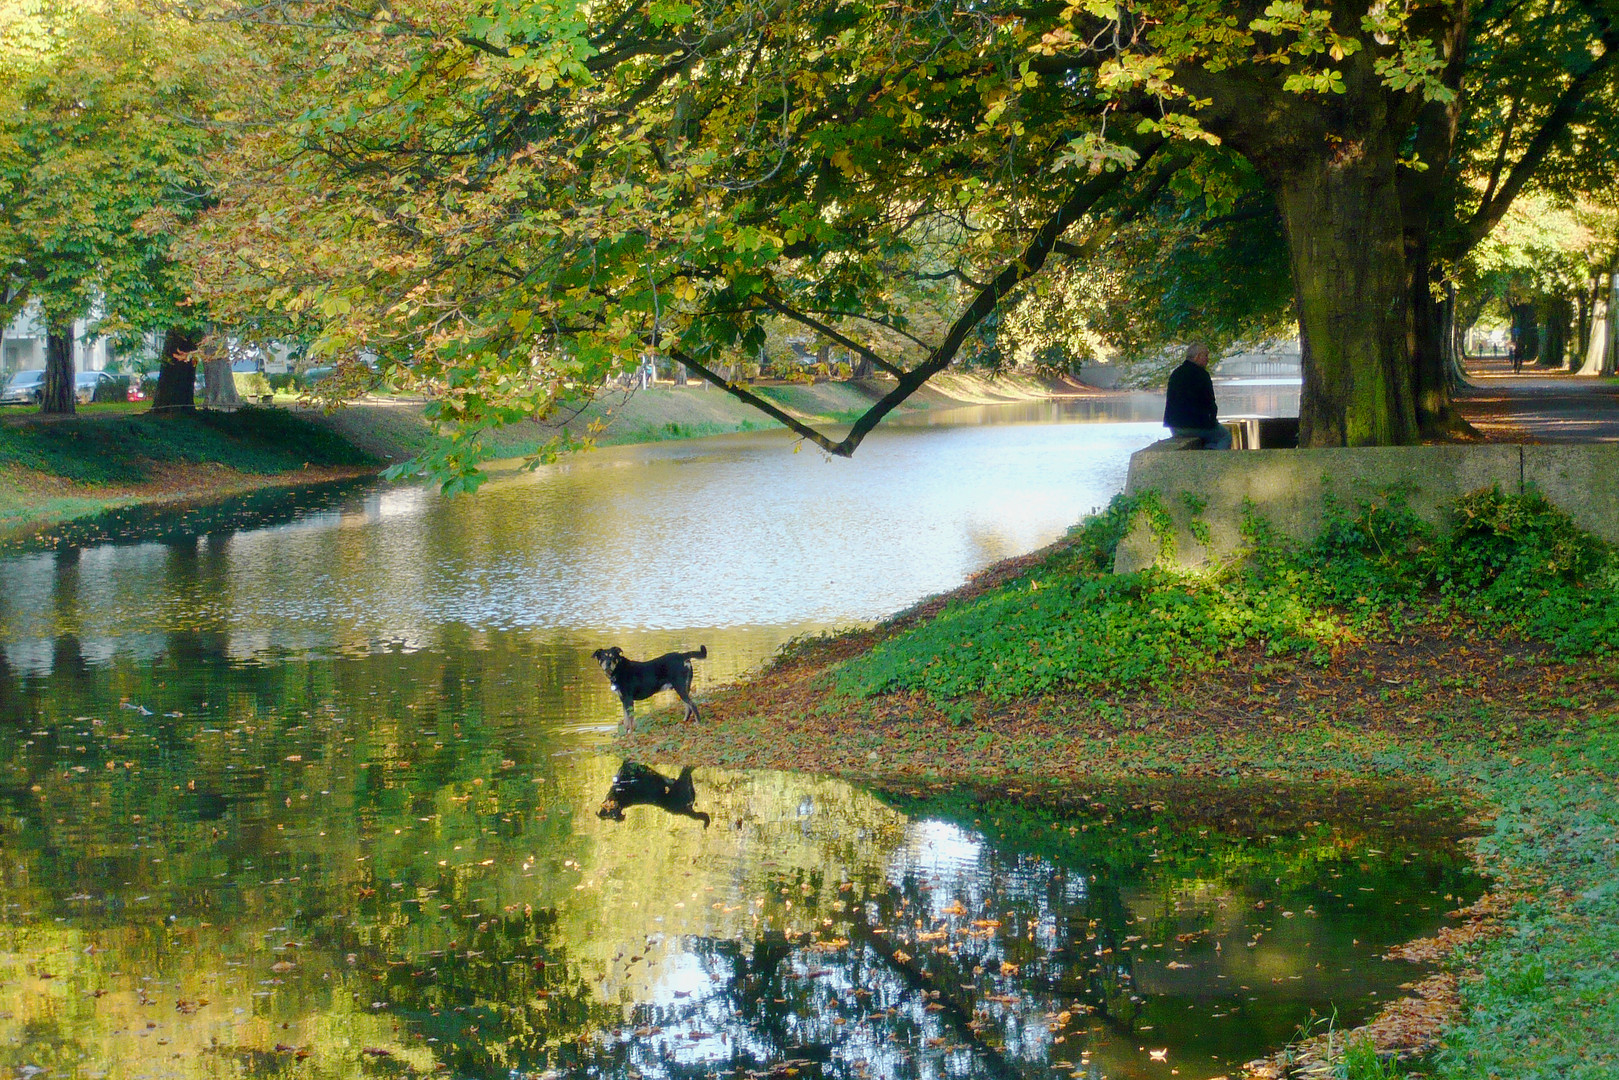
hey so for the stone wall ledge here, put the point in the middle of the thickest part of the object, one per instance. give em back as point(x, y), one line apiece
point(1286, 487)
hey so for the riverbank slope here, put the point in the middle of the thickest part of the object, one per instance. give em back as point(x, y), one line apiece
point(115, 456)
point(1481, 662)
point(62, 468)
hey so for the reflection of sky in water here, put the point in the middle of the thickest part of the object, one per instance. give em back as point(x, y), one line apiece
point(660, 539)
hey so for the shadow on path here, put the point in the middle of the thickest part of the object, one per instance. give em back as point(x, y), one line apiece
point(1542, 406)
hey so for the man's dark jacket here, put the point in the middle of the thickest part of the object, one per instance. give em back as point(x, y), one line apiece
point(1189, 402)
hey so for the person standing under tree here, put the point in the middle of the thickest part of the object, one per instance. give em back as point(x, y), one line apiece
point(1189, 408)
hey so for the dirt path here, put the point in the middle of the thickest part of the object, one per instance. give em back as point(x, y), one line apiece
point(1539, 406)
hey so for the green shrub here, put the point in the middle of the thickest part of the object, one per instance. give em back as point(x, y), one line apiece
point(1383, 554)
point(113, 389)
point(251, 384)
point(1515, 563)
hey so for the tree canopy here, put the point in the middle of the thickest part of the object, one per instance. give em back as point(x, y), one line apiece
point(508, 201)
point(105, 128)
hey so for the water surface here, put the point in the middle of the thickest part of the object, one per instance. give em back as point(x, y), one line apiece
point(307, 786)
point(327, 867)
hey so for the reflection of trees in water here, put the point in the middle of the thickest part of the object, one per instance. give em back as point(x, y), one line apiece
point(503, 998)
point(407, 764)
point(163, 522)
point(876, 994)
point(1033, 949)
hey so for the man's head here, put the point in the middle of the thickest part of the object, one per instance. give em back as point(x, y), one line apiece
point(1198, 353)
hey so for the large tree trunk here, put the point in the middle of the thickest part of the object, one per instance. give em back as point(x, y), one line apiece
point(219, 390)
point(56, 396)
point(1455, 342)
point(1582, 325)
point(1525, 331)
point(177, 377)
point(1432, 353)
point(1341, 210)
point(1596, 345)
point(1554, 341)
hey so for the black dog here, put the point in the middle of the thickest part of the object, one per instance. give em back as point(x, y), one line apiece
point(637, 785)
point(636, 680)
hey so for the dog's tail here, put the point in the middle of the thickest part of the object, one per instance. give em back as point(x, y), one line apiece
point(700, 654)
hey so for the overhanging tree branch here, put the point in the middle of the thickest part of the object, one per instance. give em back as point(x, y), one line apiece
point(822, 328)
point(742, 393)
point(1025, 266)
point(1493, 208)
point(1138, 206)
point(1028, 263)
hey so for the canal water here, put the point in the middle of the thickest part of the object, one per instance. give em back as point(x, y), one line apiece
point(311, 785)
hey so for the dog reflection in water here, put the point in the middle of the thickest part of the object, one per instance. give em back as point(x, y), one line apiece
point(637, 785)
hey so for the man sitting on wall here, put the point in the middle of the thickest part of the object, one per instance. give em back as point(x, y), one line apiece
point(1189, 409)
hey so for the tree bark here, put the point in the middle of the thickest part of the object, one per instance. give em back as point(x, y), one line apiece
point(1596, 345)
point(219, 383)
point(1582, 324)
point(1554, 340)
point(177, 377)
point(1526, 331)
point(1433, 363)
point(1341, 210)
point(56, 396)
point(1455, 346)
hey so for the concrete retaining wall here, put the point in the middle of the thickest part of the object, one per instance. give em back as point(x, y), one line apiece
point(1286, 487)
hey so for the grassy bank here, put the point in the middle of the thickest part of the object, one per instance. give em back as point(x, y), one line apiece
point(1482, 659)
point(56, 469)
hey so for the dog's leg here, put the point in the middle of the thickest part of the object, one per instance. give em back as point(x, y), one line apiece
point(629, 714)
point(691, 706)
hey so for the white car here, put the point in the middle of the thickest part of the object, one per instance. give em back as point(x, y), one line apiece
point(85, 384)
point(24, 388)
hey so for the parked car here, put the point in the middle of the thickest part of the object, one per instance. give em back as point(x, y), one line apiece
point(24, 388)
point(89, 385)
